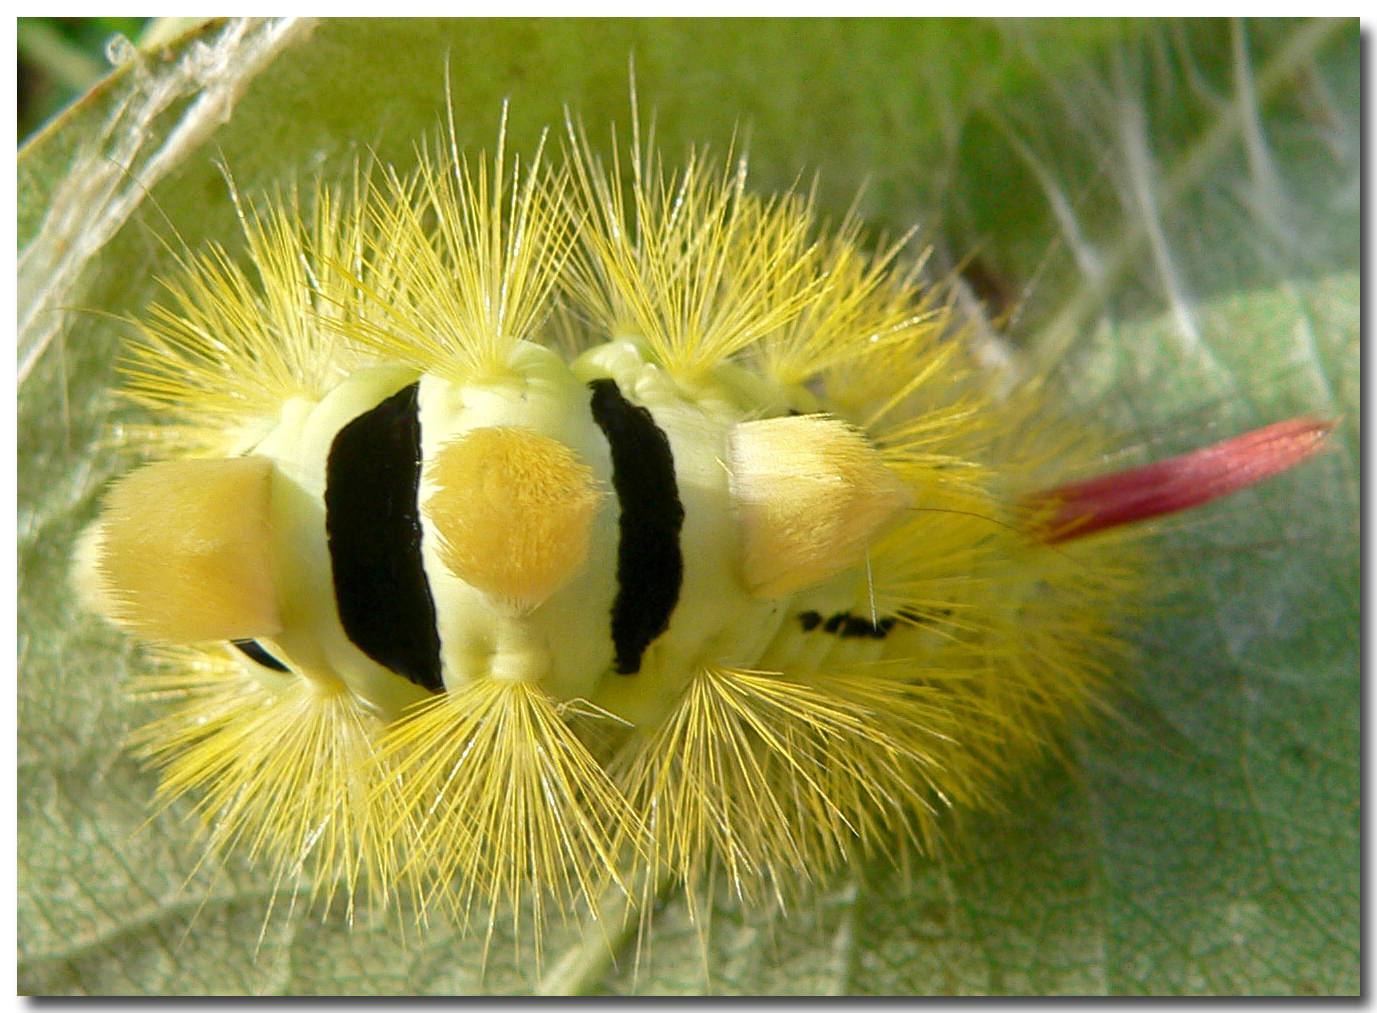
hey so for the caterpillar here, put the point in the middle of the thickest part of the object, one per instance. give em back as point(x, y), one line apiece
point(521, 536)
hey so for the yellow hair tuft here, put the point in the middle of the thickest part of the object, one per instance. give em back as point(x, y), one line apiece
point(182, 552)
point(461, 263)
point(282, 769)
point(228, 347)
point(513, 510)
point(508, 804)
point(693, 265)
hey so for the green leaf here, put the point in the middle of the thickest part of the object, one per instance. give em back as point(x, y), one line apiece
point(1168, 211)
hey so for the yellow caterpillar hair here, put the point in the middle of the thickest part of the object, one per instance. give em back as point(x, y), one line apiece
point(530, 537)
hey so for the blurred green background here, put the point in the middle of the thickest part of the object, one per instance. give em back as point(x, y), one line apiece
point(59, 59)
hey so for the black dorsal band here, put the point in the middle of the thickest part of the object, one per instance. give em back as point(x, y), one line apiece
point(373, 524)
point(650, 565)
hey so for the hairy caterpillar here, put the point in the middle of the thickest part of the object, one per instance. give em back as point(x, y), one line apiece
point(693, 516)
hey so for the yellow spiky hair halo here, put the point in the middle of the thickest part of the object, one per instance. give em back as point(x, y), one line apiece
point(886, 634)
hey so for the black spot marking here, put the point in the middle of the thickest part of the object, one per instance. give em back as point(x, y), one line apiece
point(650, 564)
point(844, 624)
point(255, 653)
point(855, 626)
point(374, 528)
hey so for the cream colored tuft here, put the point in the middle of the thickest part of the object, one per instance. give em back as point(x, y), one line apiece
point(182, 554)
point(810, 494)
point(514, 510)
